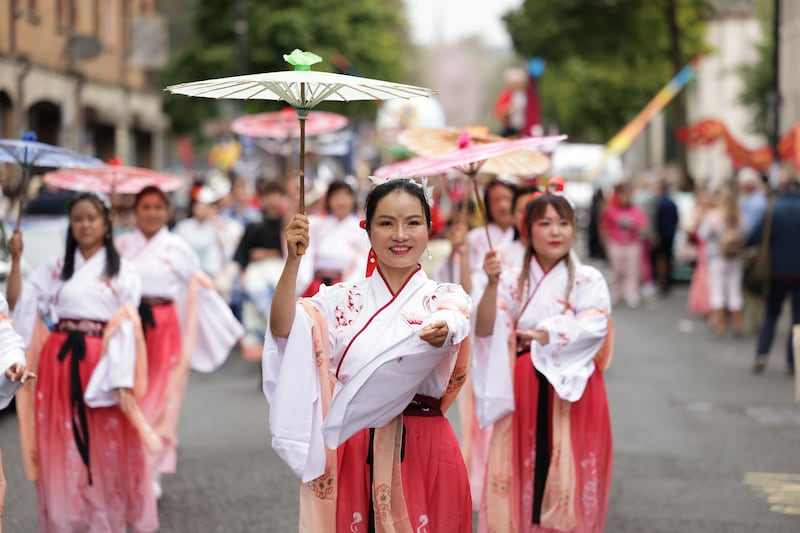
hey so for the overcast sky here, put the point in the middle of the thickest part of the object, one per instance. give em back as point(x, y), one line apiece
point(452, 20)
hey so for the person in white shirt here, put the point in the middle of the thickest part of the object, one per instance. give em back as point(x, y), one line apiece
point(212, 237)
point(337, 244)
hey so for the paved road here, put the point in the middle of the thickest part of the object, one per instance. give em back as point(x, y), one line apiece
point(701, 445)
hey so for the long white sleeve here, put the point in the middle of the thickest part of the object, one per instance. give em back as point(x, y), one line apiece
point(575, 337)
point(12, 351)
point(291, 385)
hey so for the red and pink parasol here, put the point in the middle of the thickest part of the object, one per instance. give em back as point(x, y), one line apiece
point(469, 159)
point(284, 124)
point(112, 179)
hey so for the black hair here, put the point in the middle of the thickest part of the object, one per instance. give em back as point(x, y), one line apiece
point(112, 256)
point(520, 192)
point(338, 186)
point(489, 187)
point(407, 185)
point(267, 186)
point(150, 189)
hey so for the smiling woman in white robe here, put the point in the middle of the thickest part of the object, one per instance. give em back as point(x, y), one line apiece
point(358, 377)
point(542, 339)
point(173, 288)
point(92, 470)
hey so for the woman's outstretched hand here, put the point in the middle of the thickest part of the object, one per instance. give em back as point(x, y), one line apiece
point(435, 333)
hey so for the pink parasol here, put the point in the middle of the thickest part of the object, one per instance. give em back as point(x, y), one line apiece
point(407, 167)
point(112, 179)
point(284, 124)
point(432, 142)
point(470, 158)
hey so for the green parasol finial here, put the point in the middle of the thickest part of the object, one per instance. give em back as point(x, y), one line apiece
point(301, 60)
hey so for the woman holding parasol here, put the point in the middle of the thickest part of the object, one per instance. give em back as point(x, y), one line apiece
point(542, 340)
point(358, 377)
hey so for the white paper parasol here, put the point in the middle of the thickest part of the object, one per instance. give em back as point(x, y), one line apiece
point(301, 88)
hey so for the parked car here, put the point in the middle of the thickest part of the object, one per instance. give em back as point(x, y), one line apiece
point(45, 237)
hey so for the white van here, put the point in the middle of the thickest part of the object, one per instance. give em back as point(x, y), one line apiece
point(582, 163)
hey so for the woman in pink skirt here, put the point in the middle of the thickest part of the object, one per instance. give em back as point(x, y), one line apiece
point(542, 342)
point(93, 474)
point(171, 283)
point(359, 376)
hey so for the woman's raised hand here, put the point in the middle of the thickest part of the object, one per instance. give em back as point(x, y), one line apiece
point(492, 266)
point(15, 245)
point(297, 234)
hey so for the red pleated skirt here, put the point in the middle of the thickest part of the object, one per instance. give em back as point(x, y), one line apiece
point(435, 481)
point(590, 426)
point(163, 354)
point(121, 494)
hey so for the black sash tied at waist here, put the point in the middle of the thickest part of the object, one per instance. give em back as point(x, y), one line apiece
point(75, 344)
point(541, 465)
point(146, 310)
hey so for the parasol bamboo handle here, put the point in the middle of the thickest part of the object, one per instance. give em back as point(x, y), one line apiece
point(23, 193)
point(301, 250)
point(484, 217)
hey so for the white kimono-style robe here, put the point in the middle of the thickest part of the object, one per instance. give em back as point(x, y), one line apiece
point(88, 295)
point(478, 245)
point(376, 355)
point(12, 351)
point(214, 241)
point(166, 264)
point(576, 331)
point(334, 245)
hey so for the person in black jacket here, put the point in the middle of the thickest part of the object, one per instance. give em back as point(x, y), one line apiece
point(785, 279)
point(665, 224)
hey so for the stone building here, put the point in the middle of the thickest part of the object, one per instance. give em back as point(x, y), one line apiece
point(82, 74)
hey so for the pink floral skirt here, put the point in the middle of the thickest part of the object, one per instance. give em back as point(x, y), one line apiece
point(121, 494)
point(699, 300)
point(435, 481)
point(163, 353)
point(590, 426)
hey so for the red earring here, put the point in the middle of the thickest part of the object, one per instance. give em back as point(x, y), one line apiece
point(372, 262)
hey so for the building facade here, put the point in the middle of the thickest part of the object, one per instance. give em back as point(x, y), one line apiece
point(83, 74)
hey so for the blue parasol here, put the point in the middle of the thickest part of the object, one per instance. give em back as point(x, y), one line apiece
point(27, 153)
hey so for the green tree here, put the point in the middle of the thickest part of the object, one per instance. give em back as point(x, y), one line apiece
point(370, 35)
point(606, 60)
point(757, 77)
